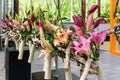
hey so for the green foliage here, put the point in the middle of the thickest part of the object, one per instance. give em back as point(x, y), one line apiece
point(50, 7)
point(105, 10)
point(25, 34)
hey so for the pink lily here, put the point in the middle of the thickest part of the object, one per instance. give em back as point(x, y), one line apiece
point(78, 21)
point(89, 24)
point(19, 28)
point(8, 24)
point(83, 46)
point(92, 8)
point(78, 31)
point(27, 25)
point(98, 38)
point(98, 21)
point(3, 25)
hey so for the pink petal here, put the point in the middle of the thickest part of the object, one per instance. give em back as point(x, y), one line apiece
point(76, 43)
point(98, 21)
point(78, 31)
point(83, 51)
point(19, 28)
point(103, 35)
point(89, 24)
point(78, 21)
point(3, 25)
point(98, 38)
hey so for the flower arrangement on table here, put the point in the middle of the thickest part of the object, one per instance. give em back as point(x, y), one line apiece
point(80, 42)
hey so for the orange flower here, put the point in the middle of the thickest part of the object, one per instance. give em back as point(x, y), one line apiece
point(16, 22)
point(62, 37)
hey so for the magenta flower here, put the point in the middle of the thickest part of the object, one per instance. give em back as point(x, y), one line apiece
point(78, 21)
point(98, 21)
point(78, 31)
point(89, 24)
point(98, 38)
point(92, 9)
point(8, 24)
point(83, 46)
point(3, 25)
point(19, 28)
point(32, 18)
point(40, 24)
point(25, 23)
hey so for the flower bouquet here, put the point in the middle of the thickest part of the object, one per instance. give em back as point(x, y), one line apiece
point(88, 41)
point(80, 42)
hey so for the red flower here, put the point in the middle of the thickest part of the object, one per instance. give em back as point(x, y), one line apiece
point(40, 24)
point(32, 18)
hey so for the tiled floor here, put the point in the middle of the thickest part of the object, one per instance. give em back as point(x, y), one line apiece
point(111, 66)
